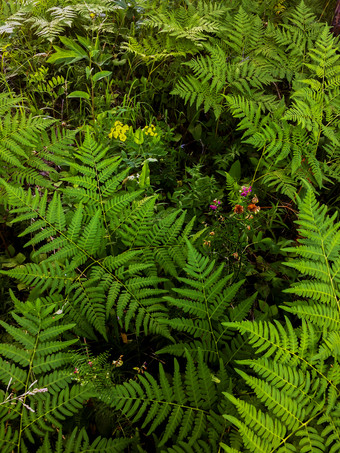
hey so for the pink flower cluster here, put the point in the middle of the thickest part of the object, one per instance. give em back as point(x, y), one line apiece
point(245, 191)
point(215, 205)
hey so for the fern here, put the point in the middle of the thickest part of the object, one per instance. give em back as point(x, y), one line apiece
point(187, 406)
point(225, 66)
point(213, 76)
point(235, 72)
point(19, 135)
point(298, 371)
point(156, 49)
point(320, 262)
point(38, 371)
point(55, 23)
point(78, 441)
point(204, 297)
point(82, 261)
point(14, 13)
point(193, 22)
point(238, 36)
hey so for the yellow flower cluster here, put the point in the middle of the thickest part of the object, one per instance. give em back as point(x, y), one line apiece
point(119, 131)
point(150, 130)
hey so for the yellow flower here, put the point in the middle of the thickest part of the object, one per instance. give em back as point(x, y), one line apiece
point(119, 130)
point(150, 130)
point(92, 15)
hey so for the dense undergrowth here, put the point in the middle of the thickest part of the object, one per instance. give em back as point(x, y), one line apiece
point(169, 191)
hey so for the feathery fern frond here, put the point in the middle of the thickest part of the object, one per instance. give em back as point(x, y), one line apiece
point(15, 14)
point(238, 31)
point(213, 75)
point(186, 405)
point(9, 101)
point(79, 265)
point(37, 369)
point(204, 297)
point(58, 18)
point(194, 22)
point(19, 137)
point(156, 49)
point(297, 373)
point(78, 441)
point(319, 262)
point(292, 384)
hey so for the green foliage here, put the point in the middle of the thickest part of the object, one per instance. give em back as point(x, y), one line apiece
point(78, 243)
point(298, 370)
point(51, 20)
point(181, 30)
point(204, 298)
point(213, 75)
point(79, 442)
point(236, 72)
point(189, 403)
point(177, 234)
point(19, 136)
point(319, 263)
point(36, 368)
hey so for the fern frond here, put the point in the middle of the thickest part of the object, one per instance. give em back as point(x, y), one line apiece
point(182, 403)
point(43, 394)
point(78, 441)
point(19, 136)
point(204, 297)
point(319, 251)
point(54, 24)
point(73, 240)
point(297, 373)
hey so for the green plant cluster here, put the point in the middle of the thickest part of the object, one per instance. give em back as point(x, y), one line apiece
point(170, 242)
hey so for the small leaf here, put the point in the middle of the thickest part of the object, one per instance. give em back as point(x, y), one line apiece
point(119, 62)
point(138, 137)
point(144, 179)
point(100, 75)
point(235, 170)
point(79, 94)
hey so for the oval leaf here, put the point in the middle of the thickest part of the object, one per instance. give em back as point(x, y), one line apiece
point(79, 94)
point(100, 75)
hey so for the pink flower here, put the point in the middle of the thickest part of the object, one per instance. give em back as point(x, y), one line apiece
point(90, 363)
point(245, 190)
point(215, 204)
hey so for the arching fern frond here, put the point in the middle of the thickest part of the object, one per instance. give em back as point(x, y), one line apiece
point(205, 296)
point(58, 18)
point(78, 441)
point(156, 49)
point(186, 404)
point(319, 263)
point(214, 76)
point(36, 368)
point(82, 262)
point(296, 376)
point(19, 137)
point(194, 22)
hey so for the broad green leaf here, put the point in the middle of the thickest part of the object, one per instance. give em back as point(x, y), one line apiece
point(79, 94)
point(100, 75)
